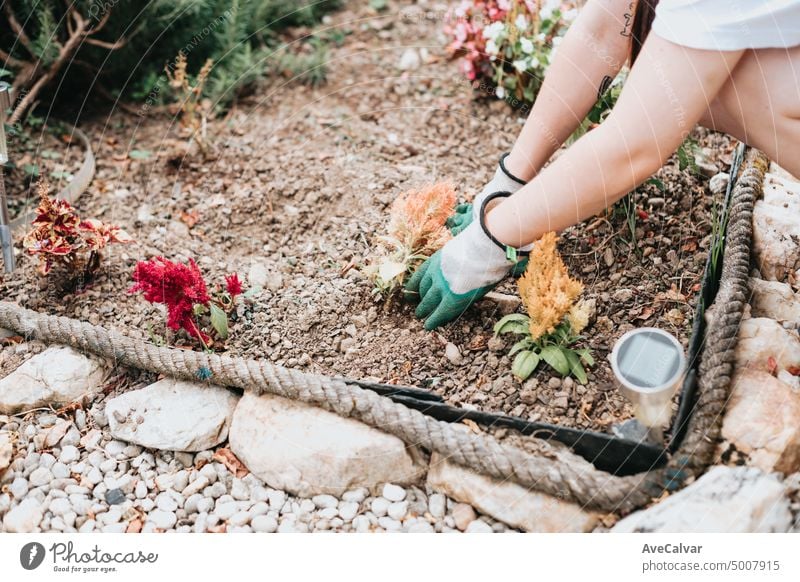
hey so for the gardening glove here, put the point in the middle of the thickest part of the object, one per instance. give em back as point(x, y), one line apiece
point(462, 272)
point(503, 181)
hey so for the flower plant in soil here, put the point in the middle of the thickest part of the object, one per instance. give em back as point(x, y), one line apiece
point(555, 317)
point(203, 315)
point(507, 45)
point(59, 238)
point(416, 231)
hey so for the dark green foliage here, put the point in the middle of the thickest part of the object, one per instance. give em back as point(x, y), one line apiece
point(238, 35)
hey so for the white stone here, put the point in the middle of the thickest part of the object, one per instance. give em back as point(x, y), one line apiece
point(240, 490)
point(437, 505)
point(348, 510)
point(398, 510)
point(356, 495)
point(774, 300)
point(393, 492)
point(69, 454)
point(40, 476)
point(506, 303)
point(782, 192)
point(380, 506)
point(18, 488)
point(57, 376)
point(162, 519)
point(24, 518)
point(165, 502)
point(175, 415)
point(724, 500)
point(258, 275)
point(306, 451)
point(762, 420)
point(507, 501)
point(410, 60)
point(276, 499)
point(264, 524)
point(761, 339)
point(452, 353)
point(776, 241)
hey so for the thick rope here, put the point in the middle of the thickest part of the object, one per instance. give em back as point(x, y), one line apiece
point(552, 469)
point(717, 363)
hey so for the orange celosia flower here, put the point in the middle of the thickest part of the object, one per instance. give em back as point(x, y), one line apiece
point(416, 231)
point(418, 217)
point(546, 288)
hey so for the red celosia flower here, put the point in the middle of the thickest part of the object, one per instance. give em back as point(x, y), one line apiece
point(233, 284)
point(180, 287)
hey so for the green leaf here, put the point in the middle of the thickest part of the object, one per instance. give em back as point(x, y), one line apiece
point(657, 183)
point(524, 364)
point(251, 292)
point(555, 359)
point(139, 154)
point(31, 170)
point(198, 309)
point(515, 323)
point(520, 345)
point(586, 356)
point(378, 5)
point(219, 320)
point(575, 366)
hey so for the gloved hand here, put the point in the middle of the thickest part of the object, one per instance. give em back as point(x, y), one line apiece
point(459, 274)
point(503, 181)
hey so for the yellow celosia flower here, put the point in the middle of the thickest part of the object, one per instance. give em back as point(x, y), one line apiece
point(578, 316)
point(546, 288)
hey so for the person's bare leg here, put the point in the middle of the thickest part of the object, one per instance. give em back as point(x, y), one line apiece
point(759, 105)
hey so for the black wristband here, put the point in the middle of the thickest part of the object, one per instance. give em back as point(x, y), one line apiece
point(506, 172)
point(507, 249)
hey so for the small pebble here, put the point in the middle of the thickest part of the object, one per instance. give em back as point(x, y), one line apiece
point(393, 492)
point(114, 496)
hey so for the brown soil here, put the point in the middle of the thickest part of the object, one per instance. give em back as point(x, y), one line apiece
point(301, 184)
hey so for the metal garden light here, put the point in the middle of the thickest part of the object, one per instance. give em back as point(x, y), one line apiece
point(6, 240)
point(649, 365)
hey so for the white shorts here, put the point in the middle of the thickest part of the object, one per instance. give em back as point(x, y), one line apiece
point(729, 25)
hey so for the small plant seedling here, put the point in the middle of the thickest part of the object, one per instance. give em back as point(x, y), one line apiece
point(416, 231)
point(60, 238)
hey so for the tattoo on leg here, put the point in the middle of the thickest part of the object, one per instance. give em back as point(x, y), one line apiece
point(628, 16)
point(604, 85)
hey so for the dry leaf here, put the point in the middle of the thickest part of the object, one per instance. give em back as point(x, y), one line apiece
point(233, 464)
point(56, 433)
point(190, 218)
point(646, 313)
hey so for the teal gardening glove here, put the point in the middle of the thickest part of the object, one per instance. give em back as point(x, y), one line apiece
point(462, 272)
point(503, 181)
